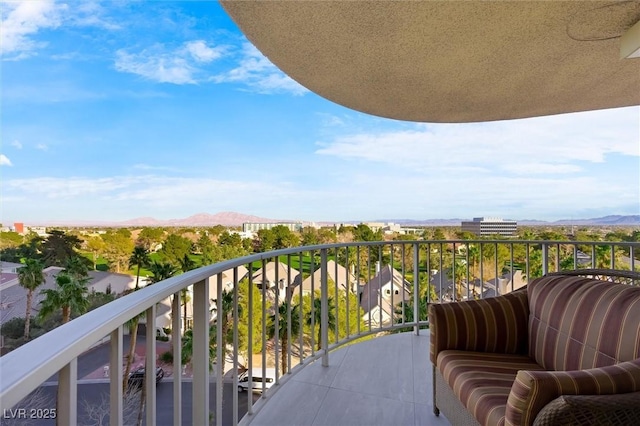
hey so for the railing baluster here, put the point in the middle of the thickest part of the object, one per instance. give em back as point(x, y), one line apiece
point(115, 378)
point(67, 412)
point(300, 332)
point(416, 289)
point(324, 308)
point(200, 356)
point(235, 347)
point(250, 338)
point(220, 342)
point(276, 325)
point(265, 284)
point(150, 366)
point(176, 340)
point(289, 300)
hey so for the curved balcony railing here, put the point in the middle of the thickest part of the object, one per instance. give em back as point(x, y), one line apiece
point(291, 307)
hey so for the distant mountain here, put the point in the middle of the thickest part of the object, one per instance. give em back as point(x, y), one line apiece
point(605, 220)
point(613, 220)
point(237, 219)
point(200, 219)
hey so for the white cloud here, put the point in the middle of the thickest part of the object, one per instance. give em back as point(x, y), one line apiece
point(42, 147)
point(202, 53)
point(555, 143)
point(22, 20)
point(16, 144)
point(527, 168)
point(4, 160)
point(259, 74)
point(150, 191)
point(178, 66)
point(162, 68)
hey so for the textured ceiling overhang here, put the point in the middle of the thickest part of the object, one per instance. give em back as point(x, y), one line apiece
point(451, 61)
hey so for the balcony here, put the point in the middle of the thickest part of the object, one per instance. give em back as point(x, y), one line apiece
point(344, 330)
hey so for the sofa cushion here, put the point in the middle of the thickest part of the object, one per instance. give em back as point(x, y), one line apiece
point(494, 324)
point(578, 323)
point(482, 381)
point(532, 390)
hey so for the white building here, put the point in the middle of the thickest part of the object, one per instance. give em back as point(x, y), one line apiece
point(485, 226)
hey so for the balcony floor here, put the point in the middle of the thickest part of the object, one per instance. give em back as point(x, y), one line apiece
point(383, 381)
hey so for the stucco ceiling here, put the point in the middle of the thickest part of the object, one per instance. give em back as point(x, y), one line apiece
point(451, 61)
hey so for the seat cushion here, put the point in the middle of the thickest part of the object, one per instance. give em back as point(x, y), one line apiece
point(482, 381)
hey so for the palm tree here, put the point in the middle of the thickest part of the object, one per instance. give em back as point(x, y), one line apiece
point(161, 271)
point(187, 345)
point(70, 296)
point(30, 277)
point(458, 273)
point(186, 264)
point(281, 333)
point(225, 316)
point(139, 258)
point(77, 266)
point(314, 317)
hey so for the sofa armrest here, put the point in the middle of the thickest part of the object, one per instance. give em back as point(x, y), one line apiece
point(496, 324)
point(533, 390)
point(619, 409)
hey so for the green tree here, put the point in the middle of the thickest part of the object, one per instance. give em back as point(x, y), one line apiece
point(229, 239)
point(225, 317)
point(10, 239)
point(187, 345)
point(253, 315)
point(458, 273)
point(139, 258)
point(77, 266)
point(363, 232)
point(175, 248)
point(58, 247)
point(264, 240)
point(96, 246)
point(282, 332)
point(118, 248)
point(284, 238)
point(313, 318)
point(309, 236)
point(186, 265)
point(206, 248)
point(149, 237)
point(69, 296)
point(30, 277)
point(161, 271)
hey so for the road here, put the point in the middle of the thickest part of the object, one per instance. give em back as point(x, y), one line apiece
point(93, 405)
point(93, 398)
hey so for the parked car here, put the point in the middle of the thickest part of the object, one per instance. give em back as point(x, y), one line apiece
point(136, 377)
point(257, 379)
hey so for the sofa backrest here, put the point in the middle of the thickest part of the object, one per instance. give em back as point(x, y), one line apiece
point(577, 323)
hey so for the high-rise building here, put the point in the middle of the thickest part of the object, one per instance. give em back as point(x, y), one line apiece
point(485, 226)
point(255, 226)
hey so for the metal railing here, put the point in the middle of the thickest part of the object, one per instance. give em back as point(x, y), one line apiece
point(290, 308)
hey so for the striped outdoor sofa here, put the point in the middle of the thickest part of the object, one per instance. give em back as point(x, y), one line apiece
point(563, 351)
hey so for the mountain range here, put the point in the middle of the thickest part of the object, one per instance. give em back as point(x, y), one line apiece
point(237, 219)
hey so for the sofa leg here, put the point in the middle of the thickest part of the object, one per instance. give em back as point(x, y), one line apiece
point(436, 410)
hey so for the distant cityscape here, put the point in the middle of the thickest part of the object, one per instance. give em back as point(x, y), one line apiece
point(233, 219)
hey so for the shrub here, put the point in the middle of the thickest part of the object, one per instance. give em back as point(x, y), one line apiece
point(167, 357)
point(14, 328)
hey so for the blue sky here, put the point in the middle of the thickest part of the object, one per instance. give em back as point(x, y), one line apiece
point(121, 109)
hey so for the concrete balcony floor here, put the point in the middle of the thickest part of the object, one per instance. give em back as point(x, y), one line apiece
point(383, 381)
